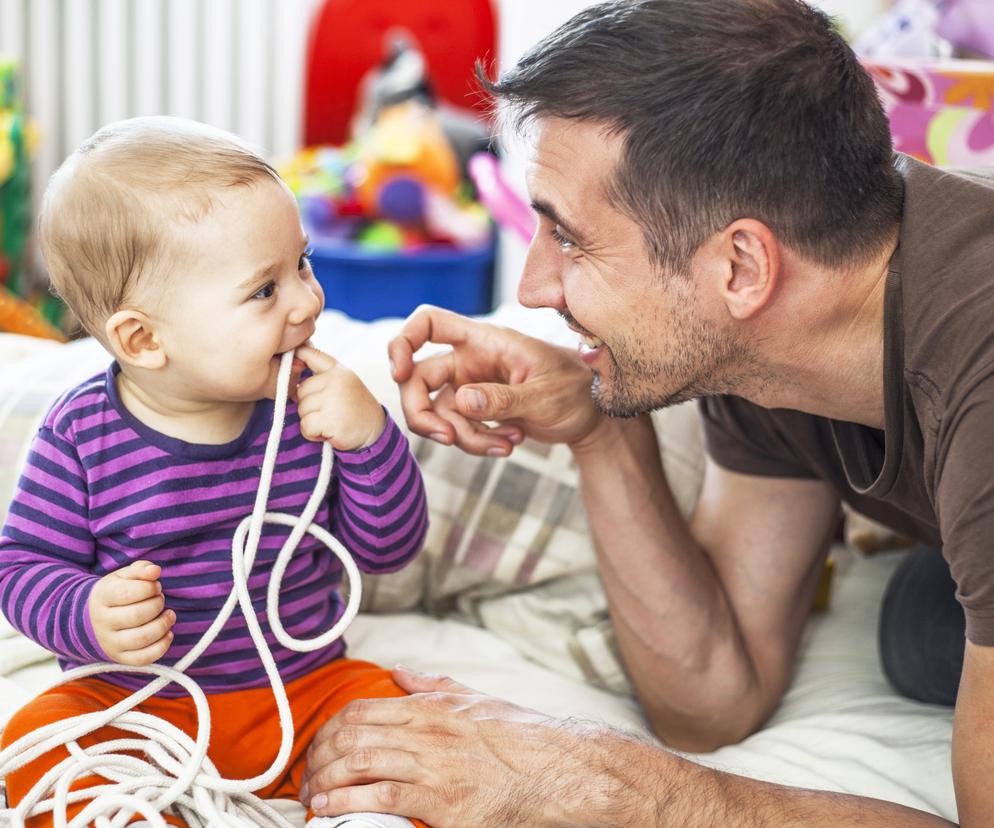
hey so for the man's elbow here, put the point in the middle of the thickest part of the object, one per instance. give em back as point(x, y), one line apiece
point(703, 734)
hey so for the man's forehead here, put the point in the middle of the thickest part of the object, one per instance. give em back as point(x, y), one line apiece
point(570, 165)
point(582, 154)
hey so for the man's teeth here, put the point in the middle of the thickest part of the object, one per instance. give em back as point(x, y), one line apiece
point(591, 342)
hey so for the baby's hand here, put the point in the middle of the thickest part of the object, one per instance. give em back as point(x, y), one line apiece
point(334, 405)
point(126, 610)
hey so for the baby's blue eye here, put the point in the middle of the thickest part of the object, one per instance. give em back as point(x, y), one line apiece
point(266, 291)
point(305, 260)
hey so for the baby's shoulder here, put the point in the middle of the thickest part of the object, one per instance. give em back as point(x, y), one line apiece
point(88, 400)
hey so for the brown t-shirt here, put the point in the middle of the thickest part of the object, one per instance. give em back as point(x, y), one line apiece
point(930, 473)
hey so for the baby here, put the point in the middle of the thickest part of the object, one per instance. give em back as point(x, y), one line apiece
point(182, 252)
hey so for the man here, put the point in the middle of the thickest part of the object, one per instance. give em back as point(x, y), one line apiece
point(720, 217)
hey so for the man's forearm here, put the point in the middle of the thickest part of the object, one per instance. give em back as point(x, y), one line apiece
point(627, 782)
point(674, 625)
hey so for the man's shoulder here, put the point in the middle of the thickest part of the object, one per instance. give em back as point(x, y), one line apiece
point(945, 264)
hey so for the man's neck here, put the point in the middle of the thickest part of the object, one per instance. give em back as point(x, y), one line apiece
point(825, 351)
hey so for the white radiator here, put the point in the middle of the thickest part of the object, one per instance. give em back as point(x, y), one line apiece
point(237, 64)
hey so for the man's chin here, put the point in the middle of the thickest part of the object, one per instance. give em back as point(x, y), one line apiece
point(607, 400)
point(619, 402)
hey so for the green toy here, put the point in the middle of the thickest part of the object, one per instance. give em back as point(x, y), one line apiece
point(21, 313)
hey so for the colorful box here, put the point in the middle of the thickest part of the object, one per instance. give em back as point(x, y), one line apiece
point(940, 111)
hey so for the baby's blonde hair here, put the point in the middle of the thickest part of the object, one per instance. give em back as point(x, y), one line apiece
point(112, 215)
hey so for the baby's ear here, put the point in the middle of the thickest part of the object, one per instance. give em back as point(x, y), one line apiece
point(132, 339)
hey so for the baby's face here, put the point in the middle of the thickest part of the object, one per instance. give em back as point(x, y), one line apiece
point(243, 293)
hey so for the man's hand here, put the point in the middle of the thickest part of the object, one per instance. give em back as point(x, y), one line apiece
point(126, 610)
point(334, 404)
point(531, 388)
point(456, 758)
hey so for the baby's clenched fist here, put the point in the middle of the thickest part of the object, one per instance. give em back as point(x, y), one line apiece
point(127, 612)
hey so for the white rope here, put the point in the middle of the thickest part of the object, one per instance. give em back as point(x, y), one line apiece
point(171, 770)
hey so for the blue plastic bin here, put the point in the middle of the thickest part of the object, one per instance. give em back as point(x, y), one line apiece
point(369, 285)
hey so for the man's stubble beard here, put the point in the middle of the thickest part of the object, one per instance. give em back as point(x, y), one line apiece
point(705, 362)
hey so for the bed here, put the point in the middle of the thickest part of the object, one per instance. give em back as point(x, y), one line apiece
point(505, 597)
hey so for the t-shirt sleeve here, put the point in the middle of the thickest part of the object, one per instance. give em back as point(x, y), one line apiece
point(964, 504)
point(379, 509)
point(47, 552)
point(743, 437)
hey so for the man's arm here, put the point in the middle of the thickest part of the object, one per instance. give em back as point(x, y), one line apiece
point(455, 758)
point(973, 752)
point(707, 616)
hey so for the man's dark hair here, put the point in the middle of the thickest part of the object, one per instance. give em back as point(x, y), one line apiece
point(727, 109)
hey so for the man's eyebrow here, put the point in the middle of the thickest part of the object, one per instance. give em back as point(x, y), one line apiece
point(543, 208)
point(264, 274)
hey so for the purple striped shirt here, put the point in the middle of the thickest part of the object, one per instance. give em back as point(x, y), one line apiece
point(101, 489)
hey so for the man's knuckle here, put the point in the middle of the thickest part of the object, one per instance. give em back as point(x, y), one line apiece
point(437, 700)
point(341, 801)
point(345, 740)
point(355, 711)
point(361, 760)
point(388, 795)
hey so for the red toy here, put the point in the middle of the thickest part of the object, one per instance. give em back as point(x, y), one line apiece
point(347, 41)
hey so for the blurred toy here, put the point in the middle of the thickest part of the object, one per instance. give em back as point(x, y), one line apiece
point(17, 313)
point(400, 185)
point(402, 77)
point(381, 236)
point(507, 207)
point(931, 29)
point(17, 316)
point(969, 26)
point(403, 153)
point(906, 30)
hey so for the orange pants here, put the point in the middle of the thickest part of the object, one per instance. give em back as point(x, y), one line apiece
point(245, 727)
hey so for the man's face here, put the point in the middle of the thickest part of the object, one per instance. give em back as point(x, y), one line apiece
point(648, 336)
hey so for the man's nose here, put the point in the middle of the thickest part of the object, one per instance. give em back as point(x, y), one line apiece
point(541, 281)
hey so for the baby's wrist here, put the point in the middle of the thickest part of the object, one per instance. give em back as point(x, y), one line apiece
point(378, 427)
point(376, 431)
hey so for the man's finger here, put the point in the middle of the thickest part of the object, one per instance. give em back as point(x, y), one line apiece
point(378, 797)
point(393, 712)
point(349, 740)
point(490, 400)
point(415, 398)
point(412, 681)
point(314, 359)
point(472, 436)
point(426, 324)
point(370, 764)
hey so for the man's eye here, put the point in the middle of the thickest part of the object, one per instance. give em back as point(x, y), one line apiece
point(305, 260)
point(560, 239)
point(266, 291)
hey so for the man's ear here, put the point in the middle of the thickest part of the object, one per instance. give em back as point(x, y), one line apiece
point(753, 267)
point(133, 340)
